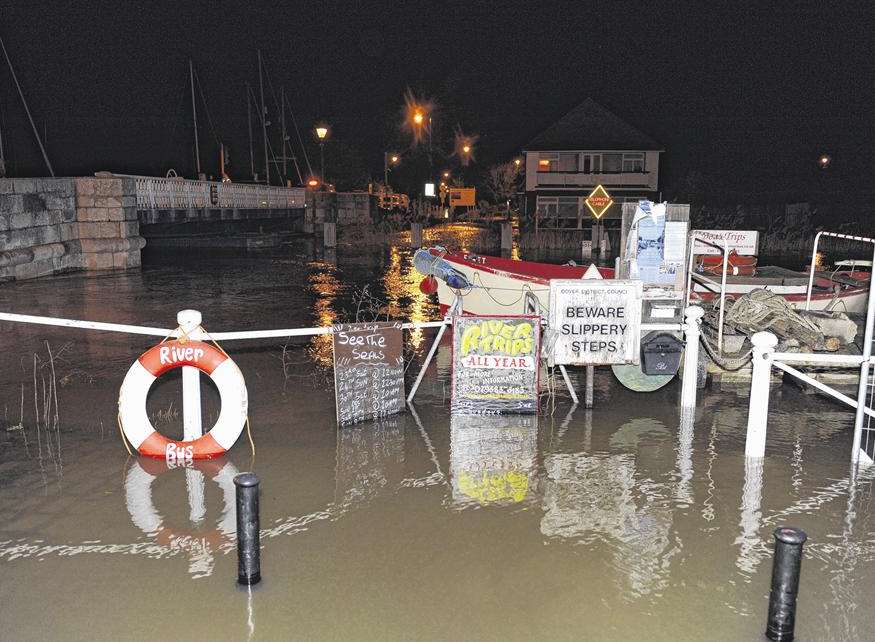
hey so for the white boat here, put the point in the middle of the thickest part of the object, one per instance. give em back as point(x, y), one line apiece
point(493, 285)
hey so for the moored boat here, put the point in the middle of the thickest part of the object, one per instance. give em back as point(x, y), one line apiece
point(494, 285)
point(839, 290)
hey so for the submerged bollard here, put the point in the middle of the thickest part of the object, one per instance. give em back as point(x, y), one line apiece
point(248, 539)
point(785, 583)
point(416, 235)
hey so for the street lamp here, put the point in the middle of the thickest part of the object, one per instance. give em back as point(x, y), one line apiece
point(388, 159)
point(517, 162)
point(322, 134)
point(824, 161)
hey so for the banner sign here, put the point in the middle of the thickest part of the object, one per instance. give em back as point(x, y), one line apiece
point(744, 242)
point(595, 322)
point(495, 364)
point(463, 196)
point(368, 371)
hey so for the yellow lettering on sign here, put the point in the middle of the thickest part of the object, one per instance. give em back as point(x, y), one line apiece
point(495, 337)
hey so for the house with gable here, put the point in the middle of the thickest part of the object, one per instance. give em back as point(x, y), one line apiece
point(587, 147)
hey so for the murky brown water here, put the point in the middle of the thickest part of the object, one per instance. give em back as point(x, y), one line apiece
point(612, 524)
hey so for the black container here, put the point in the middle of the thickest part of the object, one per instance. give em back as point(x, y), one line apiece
point(661, 354)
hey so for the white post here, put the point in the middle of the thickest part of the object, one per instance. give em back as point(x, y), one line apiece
point(758, 413)
point(590, 383)
point(693, 318)
point(188, 321)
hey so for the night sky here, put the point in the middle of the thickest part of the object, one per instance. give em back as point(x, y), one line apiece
point(748, 98)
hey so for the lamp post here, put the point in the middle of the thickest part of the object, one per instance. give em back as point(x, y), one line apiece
point(322, 134)
point(387, 159)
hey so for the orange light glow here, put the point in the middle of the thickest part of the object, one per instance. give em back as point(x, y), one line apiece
point(517, 162)
point(544, 162)
point(466, 149)
point(313, 182)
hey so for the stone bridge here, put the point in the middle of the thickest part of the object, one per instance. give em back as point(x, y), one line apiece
point(54, 225)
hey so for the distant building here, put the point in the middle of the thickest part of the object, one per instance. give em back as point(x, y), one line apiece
point(588, 146)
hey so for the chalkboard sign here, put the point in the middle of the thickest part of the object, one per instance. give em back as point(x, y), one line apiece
point(495, 364)
point(368, 371)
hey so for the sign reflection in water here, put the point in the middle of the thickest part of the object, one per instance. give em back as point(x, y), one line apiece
point(601, 497)
point(200, 543)
point(492, 459)
point(370, 461)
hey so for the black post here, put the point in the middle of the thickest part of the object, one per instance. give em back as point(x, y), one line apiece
point(785, 583)
point(248, 539)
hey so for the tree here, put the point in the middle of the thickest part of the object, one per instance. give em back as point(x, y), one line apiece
point(502, 181)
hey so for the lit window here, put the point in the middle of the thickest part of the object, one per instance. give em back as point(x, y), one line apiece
point(548, 162)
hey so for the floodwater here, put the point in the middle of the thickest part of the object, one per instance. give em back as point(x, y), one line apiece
point(623, 522)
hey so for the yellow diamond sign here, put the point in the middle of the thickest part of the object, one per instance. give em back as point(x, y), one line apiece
point(599, 201)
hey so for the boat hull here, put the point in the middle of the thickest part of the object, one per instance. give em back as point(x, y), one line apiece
point(502, 286)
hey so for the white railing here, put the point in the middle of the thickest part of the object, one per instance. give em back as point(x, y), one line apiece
point(180, 193)
point(765, 357)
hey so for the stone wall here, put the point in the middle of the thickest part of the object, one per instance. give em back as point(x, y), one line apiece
point(347, 209)
point(55, 225)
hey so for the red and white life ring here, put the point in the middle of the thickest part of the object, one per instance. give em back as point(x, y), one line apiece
point(140, 432)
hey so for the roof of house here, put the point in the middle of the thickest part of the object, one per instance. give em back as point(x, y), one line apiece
point(591, 126)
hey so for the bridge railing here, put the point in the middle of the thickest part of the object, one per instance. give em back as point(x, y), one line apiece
point(180, 193)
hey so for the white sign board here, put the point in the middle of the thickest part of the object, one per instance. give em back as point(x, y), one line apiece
point(595, 322)
point(429, 189)
point(744, 242)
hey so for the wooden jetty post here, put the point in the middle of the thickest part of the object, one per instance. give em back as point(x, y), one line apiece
point(329, 234)
point(506, 235)
point(416, 235)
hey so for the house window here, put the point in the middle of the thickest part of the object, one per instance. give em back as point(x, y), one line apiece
point(612, 163)
point(548, 162)
point(568, 162)
point(558, 212)
point(633, 163)
point(592, 164)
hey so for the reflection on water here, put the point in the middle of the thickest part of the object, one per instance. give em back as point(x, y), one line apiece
point(370, 456)
point(597, 497)
point(198, 542)
point(492, 459)
point(324, 284)
point(619, 522)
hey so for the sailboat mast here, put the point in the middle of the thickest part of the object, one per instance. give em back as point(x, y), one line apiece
point(263, 120)
point(197, 151)
point(27, 110)
point(249, 122)
point(283, 123)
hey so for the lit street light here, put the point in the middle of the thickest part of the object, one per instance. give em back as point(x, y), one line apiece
point(517, 162)
point(824, 161)
point(417, 117)
point(388, 159)
point(322, 134)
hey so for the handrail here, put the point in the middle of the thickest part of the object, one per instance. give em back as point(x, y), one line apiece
point(862, 239)
point(155, 193)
